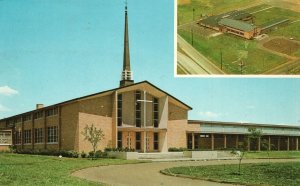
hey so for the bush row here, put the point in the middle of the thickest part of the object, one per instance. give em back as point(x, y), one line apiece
point(119, 149)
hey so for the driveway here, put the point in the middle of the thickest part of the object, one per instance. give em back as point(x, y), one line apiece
point(148, 173)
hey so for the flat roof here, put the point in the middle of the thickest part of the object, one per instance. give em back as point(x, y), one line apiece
point(241, 124)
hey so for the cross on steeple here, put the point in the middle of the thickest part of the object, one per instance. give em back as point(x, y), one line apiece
point(126, 78)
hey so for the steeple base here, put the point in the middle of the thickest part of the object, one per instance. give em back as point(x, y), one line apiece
point(124, 83)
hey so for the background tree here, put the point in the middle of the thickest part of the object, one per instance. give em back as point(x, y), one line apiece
point(93, 135)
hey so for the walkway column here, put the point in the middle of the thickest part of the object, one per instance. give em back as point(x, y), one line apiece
point(212, 141)
point(193, 141)
point(288, 144)
point(269, 145)
point(278, 143)
point(237, 142)
point(225, 141)
point(248, 144)
point(297, 143)
point(259, 141)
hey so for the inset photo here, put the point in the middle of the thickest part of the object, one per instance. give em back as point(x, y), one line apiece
point(238, 37)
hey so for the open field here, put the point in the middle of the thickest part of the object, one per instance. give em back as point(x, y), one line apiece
point(238, 55)
point(16, 169)
point(251, 174)
point(284, 46)
point(256, 61)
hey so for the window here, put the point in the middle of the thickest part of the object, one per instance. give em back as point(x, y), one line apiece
point(119, 139)
point(189, 140)
point(5, 137)
point(27, 136)
point(52, 111)
point(38, 135)
point(138, 140)
point(155, 141)
point(38, 115)
point(52, 134)
point(18, 137)
point(138, 106)
point(27, 117)
point(119, 113)
point(155, 112)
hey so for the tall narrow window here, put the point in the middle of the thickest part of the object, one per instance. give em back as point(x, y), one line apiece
point(138, 106)
point(119, 139)
point(190, 141)
point(38, 135)
point(52, 134)
point(27, 136)
point(18, 137)
point(155, 112)
point(119, 110)
point(138, 140)
point(155, 141)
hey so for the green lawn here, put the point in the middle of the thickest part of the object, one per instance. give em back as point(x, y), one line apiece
point(290, 31)
point(16, 169)
point(273, 154)
point(208, 7)
point(251, 174)
point(256, 62)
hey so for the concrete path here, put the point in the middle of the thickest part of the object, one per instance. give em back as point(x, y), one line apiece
point(148, 173)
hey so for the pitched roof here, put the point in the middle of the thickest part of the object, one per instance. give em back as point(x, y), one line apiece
point(240, 25)
point(107, 92)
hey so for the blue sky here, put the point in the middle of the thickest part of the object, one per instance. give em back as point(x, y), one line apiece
point(56, 50)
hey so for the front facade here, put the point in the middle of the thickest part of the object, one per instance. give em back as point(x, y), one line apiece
point(137, 116)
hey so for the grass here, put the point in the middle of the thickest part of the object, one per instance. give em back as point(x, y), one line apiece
point(256, 62)
point(273, 154)
point(289, 31)
point(251, 174)
point(208, 7)
point(16, 169)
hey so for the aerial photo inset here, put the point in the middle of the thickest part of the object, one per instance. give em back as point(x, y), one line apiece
point(238, 37)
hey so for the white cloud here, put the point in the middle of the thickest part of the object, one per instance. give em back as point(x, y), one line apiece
point(210, 114)
point(3, 108)
point(7, 91)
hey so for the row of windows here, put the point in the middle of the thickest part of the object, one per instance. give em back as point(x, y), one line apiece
point(138, 106)
point(52, 135)
point(37, 115)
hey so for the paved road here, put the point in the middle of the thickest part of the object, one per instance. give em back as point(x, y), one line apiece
point(148, 173)
point(197, 57)
point(188, 65)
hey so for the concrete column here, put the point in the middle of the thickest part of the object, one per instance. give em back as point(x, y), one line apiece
point(269, 144)
point(212, 142)
point(193, 141)
point(248, 144)
point(297, 144)
point(237, 142)
point(288, 144)
point(278, 143)
point(225, 141)
point(259, 141)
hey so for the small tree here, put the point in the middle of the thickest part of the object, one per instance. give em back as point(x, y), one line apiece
point(254, 135)
point(240, 153)
point(93, 135)
point(265, 145)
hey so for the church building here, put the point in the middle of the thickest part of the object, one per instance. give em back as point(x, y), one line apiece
point(137, 116)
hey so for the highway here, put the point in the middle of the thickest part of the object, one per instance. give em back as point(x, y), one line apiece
point(193, 62)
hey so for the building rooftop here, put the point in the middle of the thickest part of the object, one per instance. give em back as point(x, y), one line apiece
point(240, 25)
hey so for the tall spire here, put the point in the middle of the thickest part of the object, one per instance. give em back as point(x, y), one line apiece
point(126, 78)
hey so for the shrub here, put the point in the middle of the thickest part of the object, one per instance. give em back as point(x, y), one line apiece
point(83, 154)
point(175, 149)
